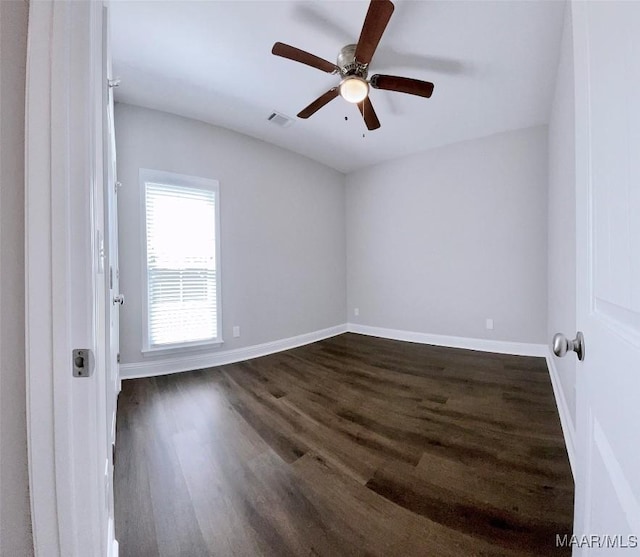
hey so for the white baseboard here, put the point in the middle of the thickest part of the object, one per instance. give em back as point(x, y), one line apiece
point(181, 363)
point(563, 410)
point(210, 359)
point(113, 548)
point(497, 346)
point(484, 345)
point(191, 362)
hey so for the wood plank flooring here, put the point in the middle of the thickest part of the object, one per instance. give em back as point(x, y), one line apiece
point(349, 446)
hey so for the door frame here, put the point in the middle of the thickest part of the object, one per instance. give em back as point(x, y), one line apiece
point(111, 267)
point(64, 282)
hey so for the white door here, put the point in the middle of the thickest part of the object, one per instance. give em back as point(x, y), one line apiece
point(607, 74)
point(114, 297)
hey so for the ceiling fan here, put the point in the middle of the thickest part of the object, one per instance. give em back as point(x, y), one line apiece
point(353, 65)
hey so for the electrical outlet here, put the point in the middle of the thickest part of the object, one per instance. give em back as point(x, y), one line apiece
point(489, 323)
point(236, 331)
point(356, 311)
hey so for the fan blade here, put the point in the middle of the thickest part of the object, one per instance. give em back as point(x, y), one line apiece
point(318, 103)
point(375, 23)
point(297, 55)
point(402, 85)
point(369, 115)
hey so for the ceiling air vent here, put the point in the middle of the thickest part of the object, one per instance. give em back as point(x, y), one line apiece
point(280, 120)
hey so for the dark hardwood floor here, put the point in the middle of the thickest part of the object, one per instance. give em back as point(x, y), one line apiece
point(350, 446)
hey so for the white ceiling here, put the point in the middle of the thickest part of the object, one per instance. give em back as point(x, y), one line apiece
point(493, 65)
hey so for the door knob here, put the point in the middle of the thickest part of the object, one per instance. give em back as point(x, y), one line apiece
point(562, 345)
point(119, 299)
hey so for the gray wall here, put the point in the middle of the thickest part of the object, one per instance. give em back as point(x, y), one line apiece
point(282, 227)
point(439, 241)
point(562, 214)
point(436, 242)
point(15, 521)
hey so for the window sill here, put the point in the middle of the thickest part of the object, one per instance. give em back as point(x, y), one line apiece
point(179, 348)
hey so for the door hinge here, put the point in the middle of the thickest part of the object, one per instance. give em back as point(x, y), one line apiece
point(118, 358)
point(114, 82)
point(82, 362)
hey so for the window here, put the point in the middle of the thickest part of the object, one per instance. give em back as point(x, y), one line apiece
point(181, 269)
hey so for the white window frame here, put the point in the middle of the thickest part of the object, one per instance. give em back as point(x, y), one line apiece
point(194, 182)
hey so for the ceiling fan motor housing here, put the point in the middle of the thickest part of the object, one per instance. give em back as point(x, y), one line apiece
point(354, 86)
point(349, 65)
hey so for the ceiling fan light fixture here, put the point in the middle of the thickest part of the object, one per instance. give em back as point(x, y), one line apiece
point(352, 65)
point(354, 89)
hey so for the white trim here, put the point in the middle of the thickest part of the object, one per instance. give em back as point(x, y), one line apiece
point(481, 344)
point(66, 426)
point(180, 347)
point(204, 360)
point(113, 546)
point(192, 362)
point(568, 429)
point(147, 175)
point(496, 346)
point(38, 327)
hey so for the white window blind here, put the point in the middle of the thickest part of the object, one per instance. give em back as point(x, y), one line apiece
point(182, 274)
